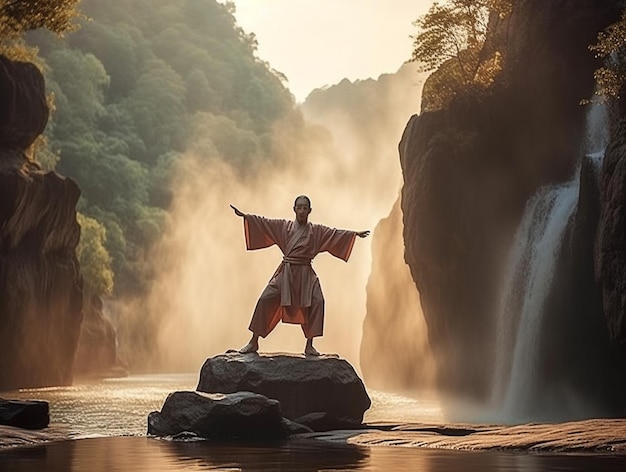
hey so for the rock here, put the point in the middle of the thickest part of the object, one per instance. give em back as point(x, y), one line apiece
point(293, 427)
point(40, 279)
point(241, 415)
point(27, 414)
point(610, 263)
point(96, 355)
point(302, 385)
point(321, 421)
point(24, 111)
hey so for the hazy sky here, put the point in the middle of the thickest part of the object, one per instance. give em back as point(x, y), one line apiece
point(319, 42)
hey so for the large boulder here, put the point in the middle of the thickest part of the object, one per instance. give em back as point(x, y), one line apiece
point(322, 392)
point(242, 415)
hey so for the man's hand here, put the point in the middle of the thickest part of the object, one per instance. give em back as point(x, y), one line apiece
point(363, 234)
point(237, 212)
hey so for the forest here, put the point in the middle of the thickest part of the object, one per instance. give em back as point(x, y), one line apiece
point(131, 87)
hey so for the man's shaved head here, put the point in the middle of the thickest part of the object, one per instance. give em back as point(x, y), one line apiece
point(302, 197)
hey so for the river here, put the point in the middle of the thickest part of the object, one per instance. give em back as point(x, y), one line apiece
point(105, 422)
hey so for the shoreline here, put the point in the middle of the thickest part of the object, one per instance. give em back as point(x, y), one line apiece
point(594, 436)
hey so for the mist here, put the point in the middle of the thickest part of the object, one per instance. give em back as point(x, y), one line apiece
point(395, 351)
point(344, 158)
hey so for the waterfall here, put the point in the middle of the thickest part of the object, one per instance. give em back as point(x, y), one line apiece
point(528, 280)
point(597, 130)
point(527, 284)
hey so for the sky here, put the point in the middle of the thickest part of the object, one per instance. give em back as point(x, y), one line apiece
point(316, 43)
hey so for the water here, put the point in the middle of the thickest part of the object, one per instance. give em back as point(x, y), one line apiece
point(597, 129)
point(110, 407)
point(119, 407)
point(146, 454)
point(107, 423)
point(530, 273)
point(529, 277)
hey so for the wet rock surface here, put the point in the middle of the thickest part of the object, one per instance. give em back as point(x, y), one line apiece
point(242, 415)
point(593, 436)
point(32, 414)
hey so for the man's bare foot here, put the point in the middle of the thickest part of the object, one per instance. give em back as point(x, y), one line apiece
point(252, 346)
point(309, 350)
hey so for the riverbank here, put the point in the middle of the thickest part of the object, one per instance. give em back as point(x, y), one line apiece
point(587, 436)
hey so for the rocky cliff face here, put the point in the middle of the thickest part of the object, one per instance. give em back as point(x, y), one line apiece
point(40, 281)
point(611, 240)
point(470, 167)
point(96, 353)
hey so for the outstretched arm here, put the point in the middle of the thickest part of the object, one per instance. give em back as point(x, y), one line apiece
point(237, 211)
point(262, 232)
point(363, 234)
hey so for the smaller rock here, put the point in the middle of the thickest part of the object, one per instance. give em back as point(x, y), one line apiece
point(27, 414)
point(292, 427)
point(241, 415)
point(322, 421)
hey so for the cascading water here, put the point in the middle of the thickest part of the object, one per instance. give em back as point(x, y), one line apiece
point(530, 273)
point(528, 281)
point(597, 135)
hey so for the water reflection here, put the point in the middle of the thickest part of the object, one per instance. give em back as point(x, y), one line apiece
point(147, 454)
point(270, 458)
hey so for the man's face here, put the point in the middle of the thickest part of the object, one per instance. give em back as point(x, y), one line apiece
point(302, 210)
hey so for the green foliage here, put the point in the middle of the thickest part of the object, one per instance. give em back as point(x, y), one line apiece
point(450, 38)
point(138, 85)
point(95, 262)
point(611, 48)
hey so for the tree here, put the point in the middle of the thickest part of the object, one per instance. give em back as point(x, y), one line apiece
point(19, 16)
point(95, 262)
point(611, 48)
point(135, 87)
point(450, 38)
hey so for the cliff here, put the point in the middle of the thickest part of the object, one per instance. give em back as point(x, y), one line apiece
point(40, 281)
point(470, 167)
point(610, 260)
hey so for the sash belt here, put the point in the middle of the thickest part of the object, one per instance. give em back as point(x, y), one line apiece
point(296, 260)
point(285, 291)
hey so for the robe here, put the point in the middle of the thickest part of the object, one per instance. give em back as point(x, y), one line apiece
point(293, 294)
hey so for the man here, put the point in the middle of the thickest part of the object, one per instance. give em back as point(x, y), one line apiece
point(293, 295)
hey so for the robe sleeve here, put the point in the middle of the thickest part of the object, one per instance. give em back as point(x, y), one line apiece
point(263, 232)
point(338, 242)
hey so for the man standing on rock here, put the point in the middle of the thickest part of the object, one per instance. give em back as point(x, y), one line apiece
point(293, 295)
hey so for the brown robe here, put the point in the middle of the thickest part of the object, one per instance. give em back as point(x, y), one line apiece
point(293, 294)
